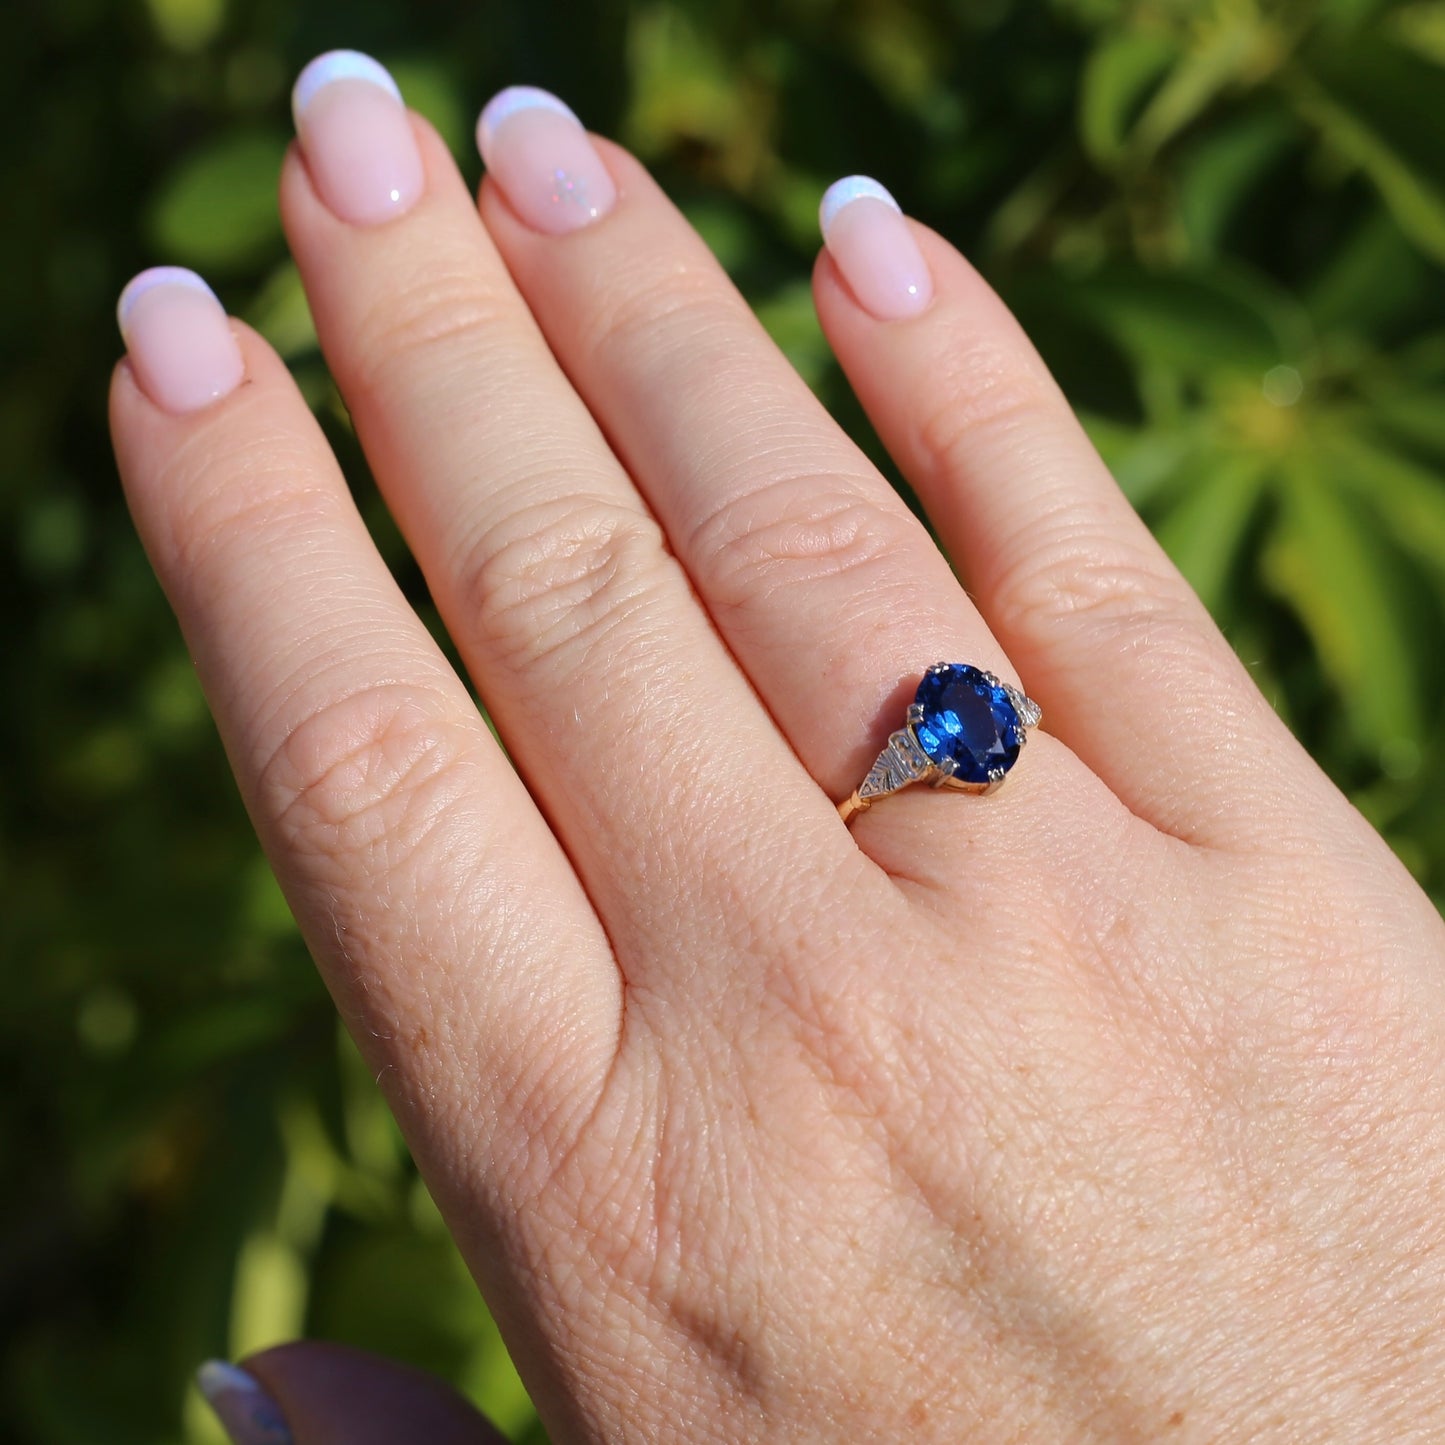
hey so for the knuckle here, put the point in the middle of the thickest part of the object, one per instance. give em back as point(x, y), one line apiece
point(644, 315)
point(240, 514)
point(558, 575)
point(1113, 592)
point(799, 530)
point(432, 313)
point(222, 490)
point(986, 395)
point(373, 773)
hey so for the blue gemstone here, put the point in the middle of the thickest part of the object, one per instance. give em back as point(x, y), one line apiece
point(967, 717)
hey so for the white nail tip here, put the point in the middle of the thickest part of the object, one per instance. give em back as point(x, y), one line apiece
point(250, 1416)
point(845, 192)
point(216, 1377)
point(338, 65)
point(158, 276)
point(508, 102)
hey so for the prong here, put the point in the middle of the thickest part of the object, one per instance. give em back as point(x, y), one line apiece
point(949, 767)
point(940, 667)
point(995, 781)
point(915, 713)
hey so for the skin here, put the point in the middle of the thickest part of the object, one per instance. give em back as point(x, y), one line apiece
point(1110, 1106)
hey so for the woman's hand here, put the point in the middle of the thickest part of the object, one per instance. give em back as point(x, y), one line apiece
point(1108, 1106)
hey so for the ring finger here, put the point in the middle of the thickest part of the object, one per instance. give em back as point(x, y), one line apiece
point(824, 585)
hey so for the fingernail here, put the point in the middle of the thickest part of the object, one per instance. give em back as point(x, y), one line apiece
point(179, 339)
point(250, 1416)
point(543, 160)
point(357, 137)
point(866, 235)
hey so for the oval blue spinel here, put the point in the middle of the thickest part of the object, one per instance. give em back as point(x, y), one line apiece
point(969, 718)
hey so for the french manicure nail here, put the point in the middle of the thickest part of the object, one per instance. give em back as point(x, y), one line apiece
point(543, 160)
point(179, 339)
point(866, 235)
point(357, 137)
point(250, 1416)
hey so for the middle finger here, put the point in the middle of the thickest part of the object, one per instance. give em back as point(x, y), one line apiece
point(825, 586)
point(634, 728)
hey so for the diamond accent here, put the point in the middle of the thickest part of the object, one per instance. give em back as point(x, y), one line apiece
point(1030, 713)
point(900, 763)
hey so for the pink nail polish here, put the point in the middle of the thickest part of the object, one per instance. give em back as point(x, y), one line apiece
point(867, 236)
point(357, 137)
point(179, 339)
point(543, 160)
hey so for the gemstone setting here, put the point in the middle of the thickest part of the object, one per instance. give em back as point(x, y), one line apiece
point(967, 723)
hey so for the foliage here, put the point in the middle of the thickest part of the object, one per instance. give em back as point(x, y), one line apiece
point(1224, 223)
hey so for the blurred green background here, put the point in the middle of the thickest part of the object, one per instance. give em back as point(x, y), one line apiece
point(1225, 226)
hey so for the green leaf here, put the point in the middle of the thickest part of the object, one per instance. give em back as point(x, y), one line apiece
point(1236, 48)
point(1196, 325)
point(217, 211)
point(1407, 498)
point(269, 1304)
point(680, 87)
point(1118, 73)
point(1204, 532)
point(1416, 418)
point(792, 321)
point(1422, 28)
point(1373, 278)
point(1149, 463)
point(282, 314)
point(1329, 569)
point(431, 90)
point(1379, 106)
point(187, 25)
point(1219, 171)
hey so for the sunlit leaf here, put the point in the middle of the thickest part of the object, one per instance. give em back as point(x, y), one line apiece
point(792, 322)
point(1230, 51)
point(1332, 572)
point(431, 90)
point(1119, 72)
point(1422, 28)
point(269, 1304)
point(1148, 463)
point(187, 25)
point(1379, 105)
point(282, 314)
point(217, 210)
point(679, 86)
point(1406, 497)
point(1204, 531)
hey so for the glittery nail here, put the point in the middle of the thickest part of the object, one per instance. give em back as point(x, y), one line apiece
point(544, 161)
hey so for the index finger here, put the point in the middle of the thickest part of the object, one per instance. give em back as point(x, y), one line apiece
point(444, 916)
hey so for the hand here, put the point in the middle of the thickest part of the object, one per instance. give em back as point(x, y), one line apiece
point(1108, 1106)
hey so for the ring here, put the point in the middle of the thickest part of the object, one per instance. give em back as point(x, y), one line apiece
point(965, 730)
